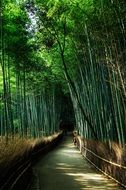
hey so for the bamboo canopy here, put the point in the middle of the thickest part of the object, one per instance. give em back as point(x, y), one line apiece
point(54, 49)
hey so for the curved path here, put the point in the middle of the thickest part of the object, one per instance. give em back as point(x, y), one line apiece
point(65, 169)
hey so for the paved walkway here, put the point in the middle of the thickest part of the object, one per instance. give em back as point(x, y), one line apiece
point(65, 169)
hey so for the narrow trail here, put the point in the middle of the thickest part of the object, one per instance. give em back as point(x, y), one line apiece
point(65, 169)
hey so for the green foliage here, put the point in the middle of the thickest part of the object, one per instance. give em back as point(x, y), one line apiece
point(76, 46)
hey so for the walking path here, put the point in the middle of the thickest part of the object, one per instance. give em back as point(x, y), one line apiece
point(65, 169)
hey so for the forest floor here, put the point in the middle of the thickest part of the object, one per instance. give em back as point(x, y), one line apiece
point(65, 169)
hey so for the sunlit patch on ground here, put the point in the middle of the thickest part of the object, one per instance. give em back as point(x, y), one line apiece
point(65, 168)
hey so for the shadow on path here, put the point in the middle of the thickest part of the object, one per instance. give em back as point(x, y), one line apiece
point(65, 169)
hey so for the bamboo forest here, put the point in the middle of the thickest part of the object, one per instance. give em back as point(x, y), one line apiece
point(63, 63)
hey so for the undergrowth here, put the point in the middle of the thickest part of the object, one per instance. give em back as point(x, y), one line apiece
point(17, 147)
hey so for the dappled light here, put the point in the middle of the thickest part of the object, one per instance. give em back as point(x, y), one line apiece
point(110, 159)
point(65, 168)
point(63, 73)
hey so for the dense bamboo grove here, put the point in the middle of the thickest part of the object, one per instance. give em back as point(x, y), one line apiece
point(100, 81)
point(53, 48)
point(29, 107)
